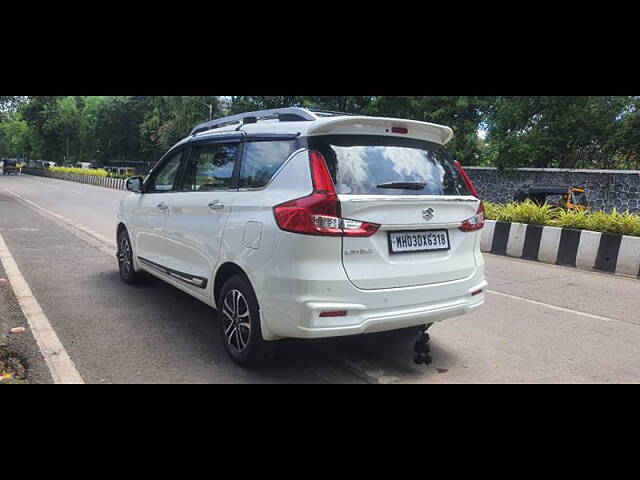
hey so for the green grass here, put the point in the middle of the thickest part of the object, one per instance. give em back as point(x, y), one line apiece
point(619, 223)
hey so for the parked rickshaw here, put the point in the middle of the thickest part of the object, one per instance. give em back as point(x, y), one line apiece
point(572, 198)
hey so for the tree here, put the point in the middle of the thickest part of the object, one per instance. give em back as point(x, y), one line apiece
point(67, 119)
point(564, 131)
point(355, 105)
point(465, 114)
point(248, 104)
point(14, 137)
point(543, 131)
point(168, 119)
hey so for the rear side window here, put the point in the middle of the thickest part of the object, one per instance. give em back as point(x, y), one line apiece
point(374, 165)
point(261, 160)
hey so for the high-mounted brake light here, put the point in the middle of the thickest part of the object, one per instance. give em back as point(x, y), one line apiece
point(401, 130)
point(319, 213)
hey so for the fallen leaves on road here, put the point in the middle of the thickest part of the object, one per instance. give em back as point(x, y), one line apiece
point(12, 368)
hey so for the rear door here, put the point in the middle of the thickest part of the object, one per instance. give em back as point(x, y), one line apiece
point(413, 190)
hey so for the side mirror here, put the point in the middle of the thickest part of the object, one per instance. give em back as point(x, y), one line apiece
point(134, 184)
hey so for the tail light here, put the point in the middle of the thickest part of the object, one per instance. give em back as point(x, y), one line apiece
point(477, 221)
point(319, 213)
point(467, 180)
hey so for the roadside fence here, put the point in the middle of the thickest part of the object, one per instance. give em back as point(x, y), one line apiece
point(105, 182)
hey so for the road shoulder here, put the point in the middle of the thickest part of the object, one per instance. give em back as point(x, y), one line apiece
point(19, 353)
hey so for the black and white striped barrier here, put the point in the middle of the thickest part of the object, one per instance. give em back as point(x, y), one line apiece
point(562, 246)
point(106, 182)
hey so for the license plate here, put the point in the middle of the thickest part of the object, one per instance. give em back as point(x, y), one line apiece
point(422, 241)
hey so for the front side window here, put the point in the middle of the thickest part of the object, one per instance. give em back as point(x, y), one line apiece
point(261, 160)
point(210, 167)
point(373, 165)
point(165, 178)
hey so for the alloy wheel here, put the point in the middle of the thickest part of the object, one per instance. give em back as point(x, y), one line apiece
point(124, 255)
point(236, 319)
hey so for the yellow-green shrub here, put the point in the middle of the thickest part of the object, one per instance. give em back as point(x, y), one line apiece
point(528, 212)
point(492, 210)
point(572, 219)
point(81, 171)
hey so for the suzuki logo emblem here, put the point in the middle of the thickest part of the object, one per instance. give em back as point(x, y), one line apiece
point(428, 214)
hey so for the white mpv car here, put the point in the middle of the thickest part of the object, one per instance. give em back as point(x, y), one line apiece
point(309, 224)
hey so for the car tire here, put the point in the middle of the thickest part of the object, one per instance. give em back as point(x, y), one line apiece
point(125, 259)
point(239, 315)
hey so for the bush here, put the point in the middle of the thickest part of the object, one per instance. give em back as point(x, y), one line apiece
point(572, 219)
point(81, 171)
point(528, 212)
point(492, 211)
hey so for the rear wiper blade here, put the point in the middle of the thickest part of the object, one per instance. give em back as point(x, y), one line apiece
point(403, 185)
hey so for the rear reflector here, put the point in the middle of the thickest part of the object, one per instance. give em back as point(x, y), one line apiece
point(341, 313)
point(401, 130)
point(476, 293)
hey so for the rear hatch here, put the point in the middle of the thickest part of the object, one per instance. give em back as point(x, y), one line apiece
point(413, 190)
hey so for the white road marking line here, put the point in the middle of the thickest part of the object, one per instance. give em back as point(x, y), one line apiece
point(554, 307)
point(68, 221)
point(55, 356)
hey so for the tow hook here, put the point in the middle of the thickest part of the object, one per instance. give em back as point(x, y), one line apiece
point(422, 349)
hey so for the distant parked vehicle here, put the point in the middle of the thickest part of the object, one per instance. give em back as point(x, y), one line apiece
point(84, 165)
point(10, 166)
point(573, 198)
point(124, 171)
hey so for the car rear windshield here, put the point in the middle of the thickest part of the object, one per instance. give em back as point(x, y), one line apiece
point(376, 165)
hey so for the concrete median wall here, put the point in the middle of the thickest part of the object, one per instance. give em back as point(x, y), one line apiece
point(106, 182)
point(619, 254)
point(606, 189)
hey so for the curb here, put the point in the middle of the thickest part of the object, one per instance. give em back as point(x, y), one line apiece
point(604, 252)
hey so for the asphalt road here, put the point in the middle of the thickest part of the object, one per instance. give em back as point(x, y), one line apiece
point(541, 323)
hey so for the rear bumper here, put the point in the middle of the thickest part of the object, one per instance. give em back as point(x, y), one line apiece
point(380, 320)
point(297, 315)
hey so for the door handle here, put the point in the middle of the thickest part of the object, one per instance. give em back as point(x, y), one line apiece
point(162, 207)
point(216, 205)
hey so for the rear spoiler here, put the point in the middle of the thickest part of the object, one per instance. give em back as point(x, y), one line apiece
point(375, 125)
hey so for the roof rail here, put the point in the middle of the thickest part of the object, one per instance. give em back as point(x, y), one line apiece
point(292, 114)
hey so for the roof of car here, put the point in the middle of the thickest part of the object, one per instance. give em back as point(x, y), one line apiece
point(303, 122)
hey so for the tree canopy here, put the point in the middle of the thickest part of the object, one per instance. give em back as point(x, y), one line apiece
point(506, 131)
